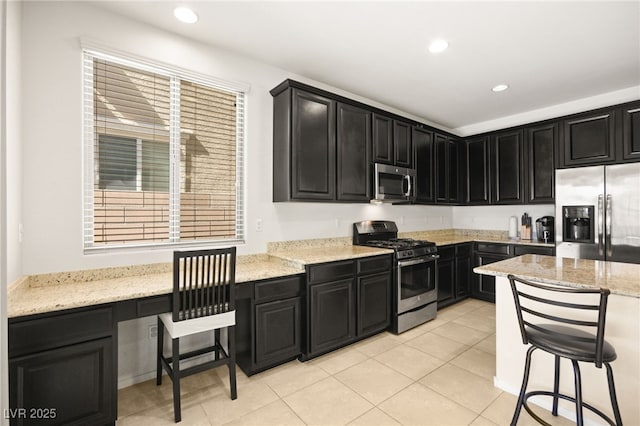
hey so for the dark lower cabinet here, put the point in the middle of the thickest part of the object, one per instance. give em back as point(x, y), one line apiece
point(332, 315)
point(374, 307)
point(278, 331)
point(70, 385)
point(485, 285)
point(63, 368)
point(346, 301)
point(454, 273)
point(269, 322)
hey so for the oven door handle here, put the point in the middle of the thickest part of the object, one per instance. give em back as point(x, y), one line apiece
point(431, 258)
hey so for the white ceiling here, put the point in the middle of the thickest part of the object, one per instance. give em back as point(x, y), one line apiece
point(548, 52)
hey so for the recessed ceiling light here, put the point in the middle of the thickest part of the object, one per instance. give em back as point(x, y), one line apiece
point(186, 15)
point(438, 46)
point(500, 88)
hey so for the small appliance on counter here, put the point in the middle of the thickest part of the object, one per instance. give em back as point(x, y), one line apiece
point(545, 229)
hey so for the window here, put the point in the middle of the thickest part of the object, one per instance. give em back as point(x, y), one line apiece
point(163, 156)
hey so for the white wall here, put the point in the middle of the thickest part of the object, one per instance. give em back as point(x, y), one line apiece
point(52, 203)
point(10, 173)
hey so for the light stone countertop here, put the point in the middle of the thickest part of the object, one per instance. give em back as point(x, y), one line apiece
point(312, 255)
point(54, 292)
point(620, 278)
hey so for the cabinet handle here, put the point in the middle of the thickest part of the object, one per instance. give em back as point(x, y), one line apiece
point(608, 225)
point(600, 226)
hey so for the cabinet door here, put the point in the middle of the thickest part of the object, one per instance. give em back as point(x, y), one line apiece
point(382, 139)
point(278, 330)
point(71, 385)
point(477, 170)
point(354, 146)
point(541, 142)
point(453, 161)
point(485, 285)
point(589, 138)
point(313, 147)
point(423, 143)
point(441, 168)
point(374, 303)
point(507, 162)
point(446, 282)
point(463, 275)
point(631, 132)
point(403, 151)
point(332, 315)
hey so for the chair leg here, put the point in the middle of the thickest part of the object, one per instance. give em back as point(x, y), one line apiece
point(216, 334)
point(612, 394)
point(556, 386)
point(523, 388)
point(231, 334)
point(578, 385)
point(175, 367)
point(159, 352)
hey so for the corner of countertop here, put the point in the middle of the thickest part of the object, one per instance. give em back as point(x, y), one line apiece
point(17, 284)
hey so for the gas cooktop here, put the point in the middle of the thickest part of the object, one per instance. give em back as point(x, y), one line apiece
point(384, 234)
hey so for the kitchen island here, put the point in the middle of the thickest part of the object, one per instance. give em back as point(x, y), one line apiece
point(622, 331)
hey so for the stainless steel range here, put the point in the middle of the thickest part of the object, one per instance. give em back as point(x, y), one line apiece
point(415, 272)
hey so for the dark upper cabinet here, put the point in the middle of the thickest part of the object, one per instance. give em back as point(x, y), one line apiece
point(631, 132)
point(541, 142)
point(477, 170)
point(402, 148)
point(382, 139)
point(304, 146)
point(589, 138)
point(353, 153)
point(392, 141)
point(507, 156)
point(423, 145)
point(447, 178)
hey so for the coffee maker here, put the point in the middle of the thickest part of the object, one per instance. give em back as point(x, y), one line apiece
point(545, 229)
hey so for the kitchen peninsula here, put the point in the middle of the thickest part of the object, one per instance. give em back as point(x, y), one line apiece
point(622, 331)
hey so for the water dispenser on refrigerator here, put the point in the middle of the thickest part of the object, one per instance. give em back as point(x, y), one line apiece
point(578, 224)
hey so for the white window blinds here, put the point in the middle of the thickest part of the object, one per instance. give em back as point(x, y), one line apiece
point(163, 157)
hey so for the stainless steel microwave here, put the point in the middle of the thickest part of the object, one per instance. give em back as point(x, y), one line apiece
point(393, 184)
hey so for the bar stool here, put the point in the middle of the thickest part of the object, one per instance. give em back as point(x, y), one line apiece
point(563, 334)
point(203, 301)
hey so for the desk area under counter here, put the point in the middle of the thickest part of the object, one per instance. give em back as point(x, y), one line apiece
point(622, 331)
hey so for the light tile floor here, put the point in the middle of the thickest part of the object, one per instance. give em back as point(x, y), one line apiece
point(440, 373)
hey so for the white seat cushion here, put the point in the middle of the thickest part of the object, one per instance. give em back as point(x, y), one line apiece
point(197, 325)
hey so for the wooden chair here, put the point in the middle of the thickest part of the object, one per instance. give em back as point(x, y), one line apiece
point(564, 333)
point(203, 301)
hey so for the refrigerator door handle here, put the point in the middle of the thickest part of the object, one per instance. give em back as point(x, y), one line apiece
point(608, 221)
point(600, 226)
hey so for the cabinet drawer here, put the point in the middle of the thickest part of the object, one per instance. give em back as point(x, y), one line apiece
point(446, 252)
point(520, 250)
point(330, 271)
point(493, 248)
point(59, 330)
point(372, 265)
point(277, 289)
point(464, 249)
point(153, 305)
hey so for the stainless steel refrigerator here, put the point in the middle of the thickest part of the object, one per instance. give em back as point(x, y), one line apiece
point(598, 213)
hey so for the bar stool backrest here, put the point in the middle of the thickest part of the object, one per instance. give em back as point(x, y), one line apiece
point(560, 306)
point(203, 283)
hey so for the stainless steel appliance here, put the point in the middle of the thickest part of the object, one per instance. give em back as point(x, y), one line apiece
point(544, 229)
point(415, 272)
point(393, 184)
point(598, 213)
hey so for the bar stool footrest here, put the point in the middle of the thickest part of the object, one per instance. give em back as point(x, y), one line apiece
point(566, 398)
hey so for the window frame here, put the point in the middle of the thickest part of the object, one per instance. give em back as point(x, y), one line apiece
point(91, 50)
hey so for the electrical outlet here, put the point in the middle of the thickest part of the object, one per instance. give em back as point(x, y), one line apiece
point(259, 225)
point(20, 233)
point(152, 331)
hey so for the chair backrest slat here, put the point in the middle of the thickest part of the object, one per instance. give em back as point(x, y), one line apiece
point(203, 282)
point(565, 305)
